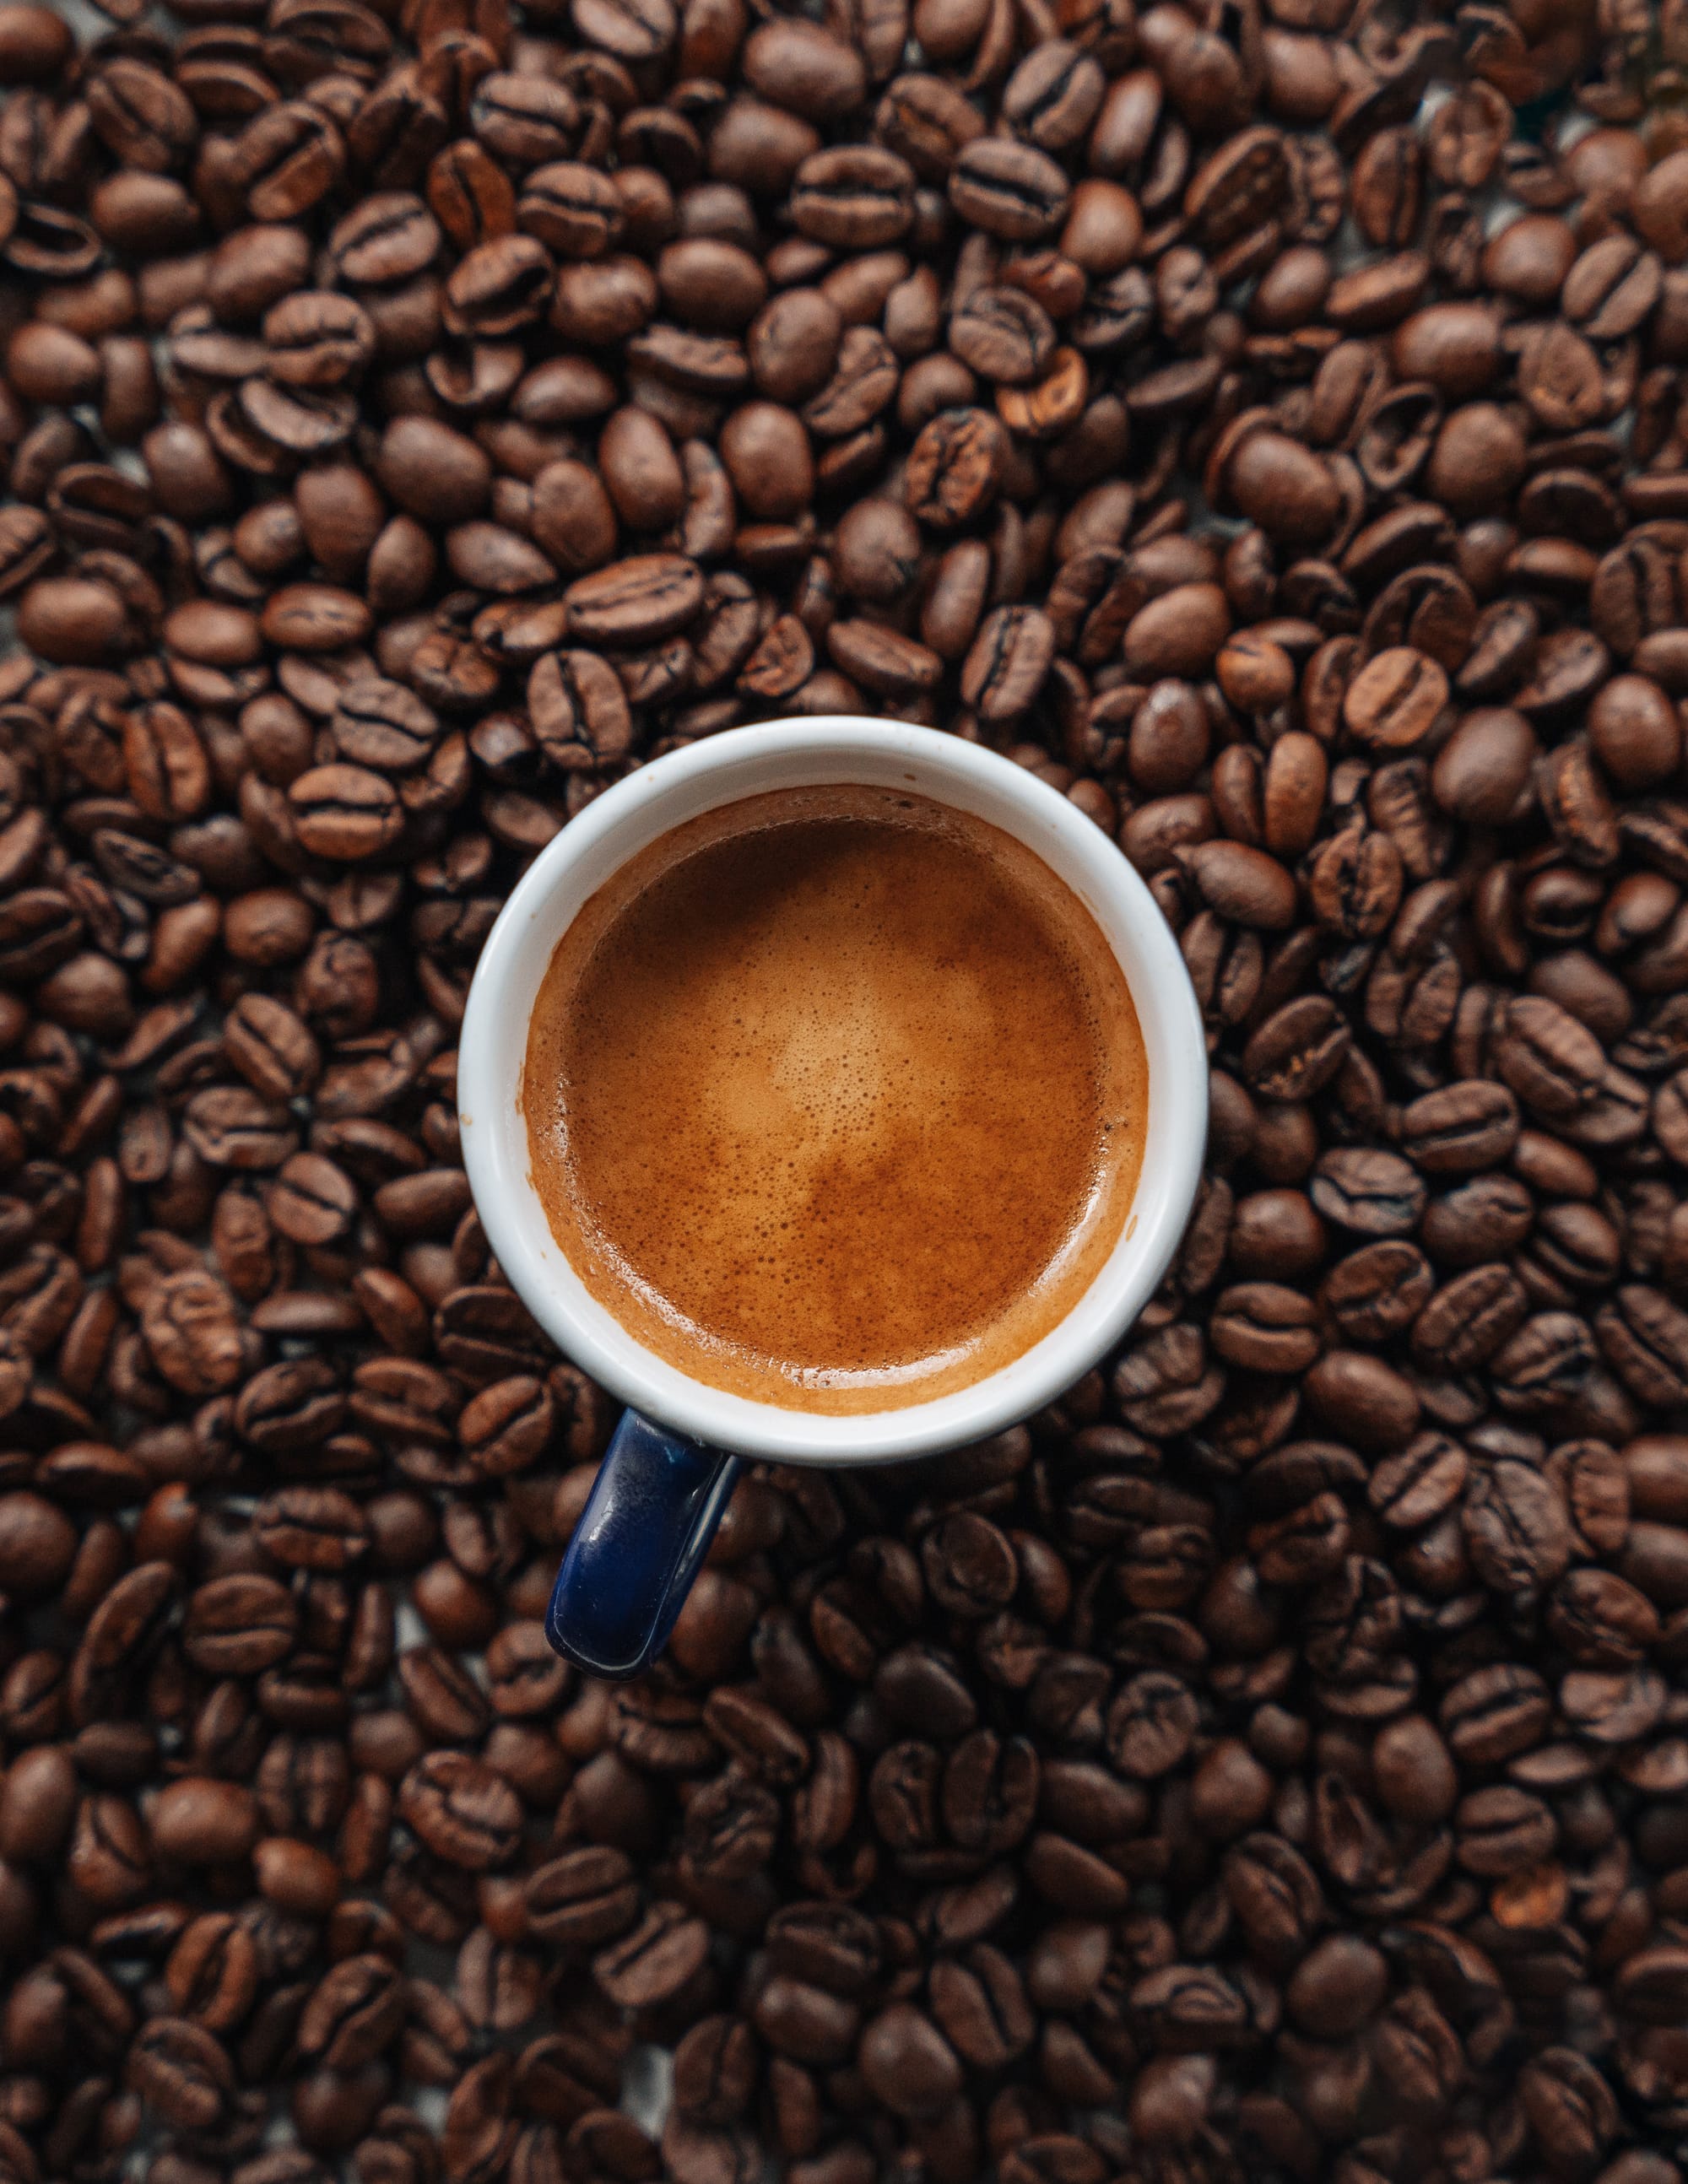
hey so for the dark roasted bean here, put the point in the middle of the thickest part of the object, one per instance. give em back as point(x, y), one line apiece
point(1270, 1758)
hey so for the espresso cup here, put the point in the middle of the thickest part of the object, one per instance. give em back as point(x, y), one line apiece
point(670, 1465)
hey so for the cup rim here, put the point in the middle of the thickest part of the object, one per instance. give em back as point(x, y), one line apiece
point(494, 1137)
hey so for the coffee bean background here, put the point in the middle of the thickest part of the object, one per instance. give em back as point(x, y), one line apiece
point(1263, 420)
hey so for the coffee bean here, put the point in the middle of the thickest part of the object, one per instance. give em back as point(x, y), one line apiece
point(381, 724)
point(35, 44)
point(853, 197)
point(1003, 334)
point(907, 2063)
point(239, 1625)
point(730, 1829)
point(352, 2013)
point(1298, 1050)
point(1010, 190)
point(1394, 700)
point(462, 1810)
point(982, 2008)
point(1470, 1318)
point(863, 382)
point(38, 1804)
point(198, 1821)
point(768, 456)
point(1274, 1723)
point(715, 2071)
point(635, 601)
point(182, 2074)
point(804, 2023)
point(582, 1898)
point(1283, 488)
point(1007, 663)
point(571, 208)
point(792, 344)
point(1465, 1127)
point(654, 1960)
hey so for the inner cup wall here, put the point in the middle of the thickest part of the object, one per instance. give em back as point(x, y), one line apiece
point(728, 768)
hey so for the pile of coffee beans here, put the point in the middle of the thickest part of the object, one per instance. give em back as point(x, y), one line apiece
point(1265, 421)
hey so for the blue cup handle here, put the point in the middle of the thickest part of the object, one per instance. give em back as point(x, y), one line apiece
point(640, 1541)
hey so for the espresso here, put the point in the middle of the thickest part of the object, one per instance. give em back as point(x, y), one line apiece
point(835, 1098)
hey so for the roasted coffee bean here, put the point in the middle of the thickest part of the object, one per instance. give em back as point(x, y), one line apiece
point(1008, 190)
point(383, 725)
point(461, 1810)
point(635, 601)
point(981, 2005)
point(582, 1897)
point(1271, 1753)
point(573, 210)
point(1003, 334)
point(239, 1625)
point(804, 2023)
point(853, 197)
point(715, 2071)
point(655, 1960)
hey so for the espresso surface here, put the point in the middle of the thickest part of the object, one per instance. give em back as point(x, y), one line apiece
point(835, 1098)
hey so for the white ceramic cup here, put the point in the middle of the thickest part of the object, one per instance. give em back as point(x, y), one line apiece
point(725, 769)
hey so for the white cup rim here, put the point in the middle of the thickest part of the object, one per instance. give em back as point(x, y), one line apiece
point(725, 768)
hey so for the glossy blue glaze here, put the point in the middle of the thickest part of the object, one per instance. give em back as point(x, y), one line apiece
point(654, 1508)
